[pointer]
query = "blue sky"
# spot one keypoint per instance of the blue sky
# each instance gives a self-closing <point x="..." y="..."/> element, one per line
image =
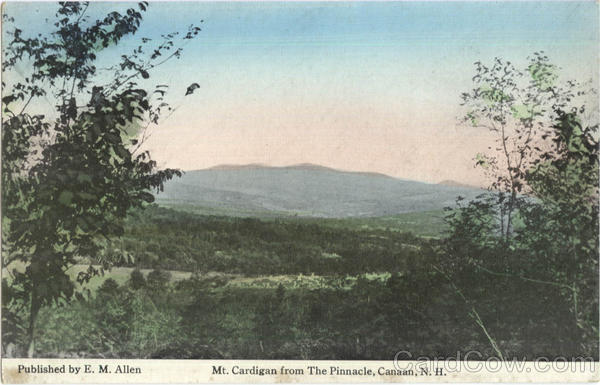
<point x="359" y="86"/>
<point x="357" y="23"/>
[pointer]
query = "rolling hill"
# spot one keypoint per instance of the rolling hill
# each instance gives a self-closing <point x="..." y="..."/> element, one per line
<point x="306" y="190"/>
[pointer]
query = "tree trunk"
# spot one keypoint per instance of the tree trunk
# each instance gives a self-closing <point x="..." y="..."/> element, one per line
<point x="502" y="213"/>
<point x="511" y="207"/>
<point x="33" y="313"/>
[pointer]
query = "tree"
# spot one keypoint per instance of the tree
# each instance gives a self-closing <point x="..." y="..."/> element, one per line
<point x="137" y="280"/>
<point x="548" y="141"/>
<point x="517" y="106"/>
<point x="561" y="228"/>
<point x="69" y="180"/>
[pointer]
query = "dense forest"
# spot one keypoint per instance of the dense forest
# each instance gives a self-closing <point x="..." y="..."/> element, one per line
<point x="313" y="292"/>
<point x="304" y="305"/>
<point x="168" y="239"/>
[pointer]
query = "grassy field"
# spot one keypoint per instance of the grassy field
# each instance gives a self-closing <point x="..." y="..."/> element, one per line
<point x="289" y="281"/>
<point x="119" y="274"/>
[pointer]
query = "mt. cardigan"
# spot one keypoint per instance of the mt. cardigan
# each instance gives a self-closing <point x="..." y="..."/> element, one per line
<point x="307" y="190"/>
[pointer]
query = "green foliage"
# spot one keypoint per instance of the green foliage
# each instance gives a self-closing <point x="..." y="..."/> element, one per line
<point x="518" y="107"/>
<point x="544" y="244"/>
<point x="429" y="224"/>
<point x="123" y="321"/>
<point x="68" y="181"/>
<point x="167" y="239"/>
<point x="563" y="228"/>
<point x="205" y="318"/>
<point x="109" y="288"/>
<point x="137" y="280"/>
<point x="157" y="280"/>
<point x="362" y="316"/>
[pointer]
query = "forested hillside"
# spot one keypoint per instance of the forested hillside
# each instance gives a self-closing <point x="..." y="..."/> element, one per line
<point x="164" y="238"/>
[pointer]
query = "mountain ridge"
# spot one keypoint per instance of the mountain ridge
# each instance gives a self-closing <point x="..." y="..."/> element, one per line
<point x="302" y="166"/>
<point x="307" y="190"/>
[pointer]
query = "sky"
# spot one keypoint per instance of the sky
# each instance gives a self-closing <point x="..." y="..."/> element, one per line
<point x="350" y="85"/>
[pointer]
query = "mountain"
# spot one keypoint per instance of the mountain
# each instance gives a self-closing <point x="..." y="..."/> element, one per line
<point x="306" y="190"/>
<point x="454" y="183"/>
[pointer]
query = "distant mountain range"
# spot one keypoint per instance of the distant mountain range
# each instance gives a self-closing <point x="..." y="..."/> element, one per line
<point x="308" y="190"/>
